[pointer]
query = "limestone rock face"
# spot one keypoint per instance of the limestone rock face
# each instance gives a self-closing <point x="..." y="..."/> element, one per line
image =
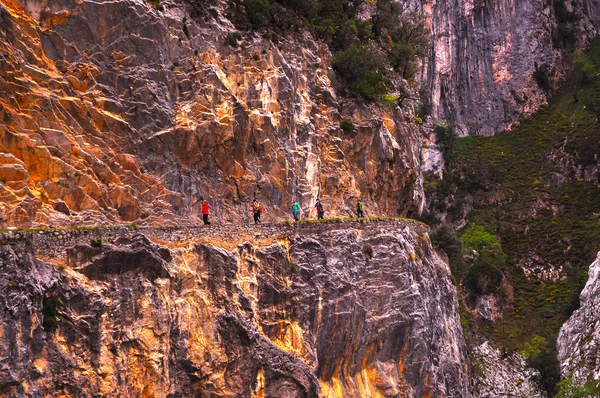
<point x="484" y="53"/>
<point x="482" y="59"/>
<point x="339" y="311"/>
<point x="124" y="112"/>
<point x="495" y="375"/>
<point x="579" y="338"/>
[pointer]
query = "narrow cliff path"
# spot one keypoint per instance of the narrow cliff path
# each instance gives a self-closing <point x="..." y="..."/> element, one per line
<point x="51" y="242"/>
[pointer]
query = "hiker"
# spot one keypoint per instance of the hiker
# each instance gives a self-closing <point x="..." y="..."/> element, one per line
<point x="205" y="211"/>
<point x="320" y="211"/>
<point x="296" y="210"/>
<point x="256" y="211"/>
<point x="360" y="209"/>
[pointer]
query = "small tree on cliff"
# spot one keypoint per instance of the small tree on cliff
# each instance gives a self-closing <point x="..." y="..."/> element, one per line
<point x="359" y="68"/>
<point x="583" y="70"/>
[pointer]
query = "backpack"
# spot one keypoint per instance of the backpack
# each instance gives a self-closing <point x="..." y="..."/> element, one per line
<point x="256" y="206"/>
<point x="319" y="207"/>
<point x="260" y="209"/>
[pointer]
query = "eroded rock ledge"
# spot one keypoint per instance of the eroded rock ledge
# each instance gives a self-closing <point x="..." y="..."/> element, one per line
<point x="344" y="309"/>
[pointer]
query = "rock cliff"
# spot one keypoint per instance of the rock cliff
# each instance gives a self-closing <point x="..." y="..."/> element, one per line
<point x="117" y="111"/>
<point x="484" y="54"/>
<point x="579" y="337"/>
<point x="498" y="375"/>
<point x="339" y="310"/>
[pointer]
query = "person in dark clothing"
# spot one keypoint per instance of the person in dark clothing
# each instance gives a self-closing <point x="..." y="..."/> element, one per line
<point x="256" y="211"/>
<point x="205" y="212"/>
<point x="360" y="209"/>
<point x="320" y="211"/>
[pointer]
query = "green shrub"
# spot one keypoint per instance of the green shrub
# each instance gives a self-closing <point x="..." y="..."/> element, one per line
<point x="486" y="244"/>
<point x="347" y="126"/>
<point x="390" y="100"/>
<point x="424" y="107"/>
<point x="533" y="349"/>
<point x="259" y="13"/>
<point x="483" y="278"/>
<point x="371" y="87"/>
<point x="546" y="363"/>
<point x="445" y="138"/>
<point x="50" y="312"/>
<point x="566" y="34"/>
<point x="344" y="35"/>
<point x="402" y="58"/>
<point x="386" y="16"/>
<point x="358" y="67"/>
<point x="156" y="4"/>
<point x="540" y="74"/>
<point x="233" y="38"/>
<point x="446" y="239"/>
<point x="401" y="37"/>
<point x="96" y="242"/>
<point x="568" y="389"/>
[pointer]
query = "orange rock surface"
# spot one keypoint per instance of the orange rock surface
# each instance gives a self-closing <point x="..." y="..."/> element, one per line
<point x="104" y="121"/>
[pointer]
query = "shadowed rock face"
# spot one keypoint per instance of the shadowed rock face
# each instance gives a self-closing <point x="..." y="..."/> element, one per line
<point x="579" y="337"/>
<point x="339" y="312"/>
<point x="483" y="55"/>
<point x="112" y="111"/>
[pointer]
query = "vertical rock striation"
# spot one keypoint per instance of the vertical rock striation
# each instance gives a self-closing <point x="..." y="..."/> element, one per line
<point x="579" y="339"/>
<point x="338" y="311"/>
<point x="483" y="55"/>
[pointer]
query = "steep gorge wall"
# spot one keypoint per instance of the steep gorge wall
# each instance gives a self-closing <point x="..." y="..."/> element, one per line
<point x="339" y="310"/>
<point x="114" y="111"/>
<point x="483" y="55"/>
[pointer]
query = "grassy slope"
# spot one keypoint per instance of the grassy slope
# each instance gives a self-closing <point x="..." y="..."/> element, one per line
<point x="513" y="182"/>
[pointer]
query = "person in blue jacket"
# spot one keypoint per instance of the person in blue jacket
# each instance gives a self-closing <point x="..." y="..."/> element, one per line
<point x="296" y="210"/>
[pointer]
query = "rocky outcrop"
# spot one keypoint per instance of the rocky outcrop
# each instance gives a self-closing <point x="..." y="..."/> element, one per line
<point x="484" y="54"/>
<point x="347" y="310"/>
<point x="579" y="339"/>
<point x="497" y="375"/>
<point x="103" y="121"/>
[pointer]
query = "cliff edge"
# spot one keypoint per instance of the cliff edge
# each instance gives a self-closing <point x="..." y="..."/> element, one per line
<point x="339" y="310"/>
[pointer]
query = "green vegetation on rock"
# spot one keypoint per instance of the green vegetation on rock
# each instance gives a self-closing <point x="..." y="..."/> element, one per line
<point x="365" y="50"/>
<point x="531" y="197"/>
<point x="568" y="389"/>
<point x="50" y="312"/>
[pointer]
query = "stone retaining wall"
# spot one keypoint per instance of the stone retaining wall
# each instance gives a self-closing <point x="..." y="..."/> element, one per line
<point x="52" y="243"/>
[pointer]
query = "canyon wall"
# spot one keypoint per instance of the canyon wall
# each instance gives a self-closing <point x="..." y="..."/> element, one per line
<point x="483" y="56"/>
<point x="117" y="111"/>
<point x="338" y="310"/>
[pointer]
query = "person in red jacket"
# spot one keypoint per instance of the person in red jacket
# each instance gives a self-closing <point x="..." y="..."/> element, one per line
<point x="205" y="211"/>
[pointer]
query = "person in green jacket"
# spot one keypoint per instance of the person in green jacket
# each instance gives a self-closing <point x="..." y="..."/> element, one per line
<point x="360" y="209"/>
<point x="296" y="210"/>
